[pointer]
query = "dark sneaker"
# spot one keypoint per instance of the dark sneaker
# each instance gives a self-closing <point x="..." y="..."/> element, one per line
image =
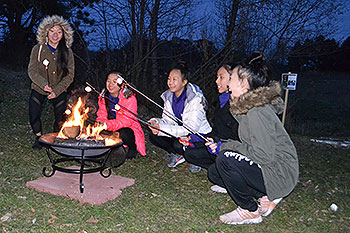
<point x="36" y="145"/>
<point x="175" y="160"/>
<point x="194" y="168"/>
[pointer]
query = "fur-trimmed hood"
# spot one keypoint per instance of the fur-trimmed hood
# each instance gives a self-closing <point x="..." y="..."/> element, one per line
<point x="263" y="95"/>
<point x="50" y="21"/>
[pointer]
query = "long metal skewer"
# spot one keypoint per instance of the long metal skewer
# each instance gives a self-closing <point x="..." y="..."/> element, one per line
<point x="121" y="80"/>
<point x="134" y="115"/>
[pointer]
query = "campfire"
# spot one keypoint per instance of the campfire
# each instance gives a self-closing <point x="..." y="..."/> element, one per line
<point x="82" y="143"/>
<point x="74" y="128"/>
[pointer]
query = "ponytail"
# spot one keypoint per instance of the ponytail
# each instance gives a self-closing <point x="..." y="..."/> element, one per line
<point x="255" y="70"/>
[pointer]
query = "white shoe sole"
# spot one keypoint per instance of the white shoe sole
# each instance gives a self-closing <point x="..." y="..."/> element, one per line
<point x="218" y="189"/>
<point x="248" y="221"/>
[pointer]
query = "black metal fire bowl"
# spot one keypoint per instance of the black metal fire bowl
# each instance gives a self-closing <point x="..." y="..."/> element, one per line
<point x="81" y="151"/>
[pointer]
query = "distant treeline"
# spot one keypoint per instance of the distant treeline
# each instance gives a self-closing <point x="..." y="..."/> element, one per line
<point x="320" y="54"/>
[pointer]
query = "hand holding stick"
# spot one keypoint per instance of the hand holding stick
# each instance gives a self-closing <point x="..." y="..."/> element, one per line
<point x="46" y="64"/>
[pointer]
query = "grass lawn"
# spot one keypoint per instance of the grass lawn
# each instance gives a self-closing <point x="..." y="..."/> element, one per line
<point x="162" y="199"/>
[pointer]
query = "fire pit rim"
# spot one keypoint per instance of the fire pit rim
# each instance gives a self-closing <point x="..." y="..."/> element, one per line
<point x="48" y="139"/>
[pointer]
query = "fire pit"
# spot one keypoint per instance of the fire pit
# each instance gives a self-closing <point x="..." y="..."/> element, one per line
<point x="81" y="143"/>
<point x="95" y="152"/>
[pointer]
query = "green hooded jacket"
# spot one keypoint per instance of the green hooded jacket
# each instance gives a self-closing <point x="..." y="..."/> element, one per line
<point x="264" y="139"/>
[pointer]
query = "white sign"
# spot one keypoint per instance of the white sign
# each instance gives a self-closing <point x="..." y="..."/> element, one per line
<point x="289" y="81"/>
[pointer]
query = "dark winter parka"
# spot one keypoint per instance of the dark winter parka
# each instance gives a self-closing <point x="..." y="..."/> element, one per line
<point x="37" y="70"/>
<point x="264" y="139"/>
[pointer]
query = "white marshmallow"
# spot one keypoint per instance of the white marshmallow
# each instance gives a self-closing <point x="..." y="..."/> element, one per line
<point x="88" y="89"/>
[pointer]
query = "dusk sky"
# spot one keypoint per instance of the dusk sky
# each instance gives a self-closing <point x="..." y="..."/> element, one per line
<point x="344" y="26"/>
<point x="208" y="8"/>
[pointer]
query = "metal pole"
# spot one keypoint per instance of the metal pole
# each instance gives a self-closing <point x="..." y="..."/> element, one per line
<point x="285" y="107"/>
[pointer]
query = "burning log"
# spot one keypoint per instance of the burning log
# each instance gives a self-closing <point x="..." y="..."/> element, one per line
<point x="71" y="132"/>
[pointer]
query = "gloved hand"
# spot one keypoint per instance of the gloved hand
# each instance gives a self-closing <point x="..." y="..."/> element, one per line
<point x="213" y="148"/>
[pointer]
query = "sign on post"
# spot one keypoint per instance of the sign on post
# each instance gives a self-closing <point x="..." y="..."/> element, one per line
<point x="289" y="82"/>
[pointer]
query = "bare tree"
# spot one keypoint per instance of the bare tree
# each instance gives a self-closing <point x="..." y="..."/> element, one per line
<point x="18" y="19"/>
<point x="274" y="25"/>
<point x="140" y="26"/>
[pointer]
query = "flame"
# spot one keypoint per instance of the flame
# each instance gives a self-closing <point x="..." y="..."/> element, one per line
<point x="110" y="141"/>
<point x="77" y="118"/>
<point x="94" y="131"/>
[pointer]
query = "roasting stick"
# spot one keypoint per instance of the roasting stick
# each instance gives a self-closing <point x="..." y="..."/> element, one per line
<point x="151" y="125"/>
<point x="90" y="88"/>
<point x="121" y="80"/>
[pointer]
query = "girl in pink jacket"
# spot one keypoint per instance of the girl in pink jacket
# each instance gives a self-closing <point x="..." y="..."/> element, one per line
<point x="122" y="120"/>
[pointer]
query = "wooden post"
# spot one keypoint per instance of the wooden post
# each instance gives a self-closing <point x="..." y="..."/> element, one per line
<point x="285" y="107"/>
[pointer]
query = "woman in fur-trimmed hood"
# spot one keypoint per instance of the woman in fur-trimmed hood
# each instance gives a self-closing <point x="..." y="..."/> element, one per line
<point x="51" y="70"/>
<point x="263" y="166"/>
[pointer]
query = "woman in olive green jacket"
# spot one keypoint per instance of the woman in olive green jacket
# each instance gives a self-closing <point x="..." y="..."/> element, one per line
<point x="51" y="70"/>
<point x="263" y="166"/>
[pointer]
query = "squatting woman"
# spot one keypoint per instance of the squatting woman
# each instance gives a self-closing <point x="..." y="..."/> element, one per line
<point x="262" y="168"/>
<point x="185" y="101"/>
<point x="119" y="119"/>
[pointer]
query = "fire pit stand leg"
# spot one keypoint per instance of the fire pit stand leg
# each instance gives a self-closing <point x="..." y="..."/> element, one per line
<point x="104" y="166"/>
<point x="81" y="185"/>
<point x="52" y="161"/>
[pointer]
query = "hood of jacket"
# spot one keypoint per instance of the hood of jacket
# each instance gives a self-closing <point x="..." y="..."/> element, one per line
<point x="50" y="21"/>
<point x="260" y="96"/>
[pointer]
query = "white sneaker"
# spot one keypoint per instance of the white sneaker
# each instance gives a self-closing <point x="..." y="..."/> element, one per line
<point x="218" y="189"/>
<point x="241" y="216"/>
<point x="266" y="206"/>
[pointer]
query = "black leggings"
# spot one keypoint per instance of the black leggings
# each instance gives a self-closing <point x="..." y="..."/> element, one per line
<point x="199" y="155"/>
<point x="241" y="177"/>
<point x="117" y="158"/>
<point x="170" y="145"/>
<point x="128" y="137"/>
<point x="36" y="102"/>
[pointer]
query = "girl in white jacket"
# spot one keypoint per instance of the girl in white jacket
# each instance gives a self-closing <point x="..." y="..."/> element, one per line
<point x="186" y="102"/>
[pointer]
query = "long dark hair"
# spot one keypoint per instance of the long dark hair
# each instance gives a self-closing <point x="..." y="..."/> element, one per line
<point x="127" y="93"/>
<point x="108" y="106"/>
<point x="255" y="70"/>
<point x="62" y="56"/>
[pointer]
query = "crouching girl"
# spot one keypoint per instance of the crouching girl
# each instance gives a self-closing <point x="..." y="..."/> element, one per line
<point x="261" y="168"/>
<point x="119" y="119"/>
